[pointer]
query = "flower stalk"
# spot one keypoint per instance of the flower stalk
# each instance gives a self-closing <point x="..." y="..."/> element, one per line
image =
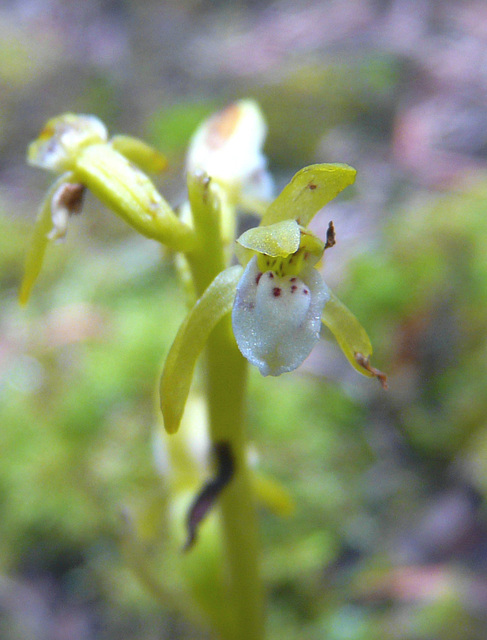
<point x="227" y="373"/>
<point x="226" y="377"/>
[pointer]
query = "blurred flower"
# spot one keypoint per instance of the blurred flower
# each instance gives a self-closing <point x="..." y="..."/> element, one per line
<point x="77" y="146"/>
<point x="62" y="139"/>
<point x="228" y="148"/>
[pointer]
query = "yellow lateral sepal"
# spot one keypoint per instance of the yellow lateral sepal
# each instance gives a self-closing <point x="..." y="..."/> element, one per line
<point x="176" y="378"/>
<point x="348" y="332"/>
<point x="273" y="495"/>
<point x="39" y="242"/>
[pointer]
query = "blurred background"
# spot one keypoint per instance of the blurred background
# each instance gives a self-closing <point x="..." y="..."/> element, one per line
<point x="389" y="536"/>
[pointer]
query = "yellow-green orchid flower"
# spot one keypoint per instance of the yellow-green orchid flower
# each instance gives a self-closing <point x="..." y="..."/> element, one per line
<point x="77" y="146"/>
<point x="278" y="301"/>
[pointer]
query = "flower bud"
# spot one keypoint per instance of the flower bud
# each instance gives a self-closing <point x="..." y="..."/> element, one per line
<point x="228" y="148"/>
<point x="61" y="140"/>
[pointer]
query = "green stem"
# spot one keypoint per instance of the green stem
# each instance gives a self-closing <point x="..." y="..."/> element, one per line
<point x="226" y="397"/>
<point x="226" y="392"/>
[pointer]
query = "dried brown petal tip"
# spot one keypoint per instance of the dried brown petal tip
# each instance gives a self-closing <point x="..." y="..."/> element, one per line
<point x="330" y="236"/>
<point x="365" y="363"/>
<point x="66" y="202"/>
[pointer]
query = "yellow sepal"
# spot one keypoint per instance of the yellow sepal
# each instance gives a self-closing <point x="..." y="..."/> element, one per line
<point x="126" y="190"/>
<point x="143" y="155"/>
<point x="176" y="378"/>
<point x="348" y="332"/>
<point x="271" y="494"/>
<point x="309" y="191"/>
<point x="39" y="242"/>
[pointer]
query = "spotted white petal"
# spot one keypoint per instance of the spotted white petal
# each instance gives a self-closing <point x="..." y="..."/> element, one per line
<point x="276" y="320"/>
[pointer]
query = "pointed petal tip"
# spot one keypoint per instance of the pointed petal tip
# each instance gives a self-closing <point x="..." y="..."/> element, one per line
<point x="364" y="362"/>
<point x="23" y="297"/>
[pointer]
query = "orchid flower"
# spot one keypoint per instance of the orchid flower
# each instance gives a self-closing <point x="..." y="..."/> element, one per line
<point x="77" y="147"/>
<point x="276" y="297"/>
<point x="278" y="301"/>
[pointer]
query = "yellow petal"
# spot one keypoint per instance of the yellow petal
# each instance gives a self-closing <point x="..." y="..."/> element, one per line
<point x="349" y="333"/>
<point x="280" y="239"/>
<point x="309" y="191"/>
<point x="140" y="153"/>
<point x="176" y="378"/>
<point x="40" y="239"/>
<point x="126" y="190"/>
<point x="243" y="255"/>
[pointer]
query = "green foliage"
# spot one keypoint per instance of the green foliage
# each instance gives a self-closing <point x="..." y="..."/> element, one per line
<point x="426" y="317"/>
<point x="76" y="412"/>
<point x="172" y="126"/>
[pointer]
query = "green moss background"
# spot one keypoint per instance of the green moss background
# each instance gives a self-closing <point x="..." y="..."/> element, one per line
<point x="388" y="539"/>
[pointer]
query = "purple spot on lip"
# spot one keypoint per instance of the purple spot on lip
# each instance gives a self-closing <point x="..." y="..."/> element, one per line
<point x="259" y="276"/>
<point x="293" y="288"/>
<point x="276" y="292"/>
<point x="271" y="275"/>
<point x="293" y="280"/>
<point x="305" y="291"/>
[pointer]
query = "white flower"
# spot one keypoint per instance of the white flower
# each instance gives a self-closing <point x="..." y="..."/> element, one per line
<point x="228" y="148"/>
<point x="277" y="318"/>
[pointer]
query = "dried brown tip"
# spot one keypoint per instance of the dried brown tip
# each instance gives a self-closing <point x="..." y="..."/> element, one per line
<point x="71" y="196"/>
<point x="330" y="236"/>
<point x="365" y="363"/>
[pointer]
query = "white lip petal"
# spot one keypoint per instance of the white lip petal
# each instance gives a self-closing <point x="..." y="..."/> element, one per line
<point x="276" y="320"/>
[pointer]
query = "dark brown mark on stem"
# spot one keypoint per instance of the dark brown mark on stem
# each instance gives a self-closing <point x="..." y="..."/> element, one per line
<point x="210" y="491"/>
